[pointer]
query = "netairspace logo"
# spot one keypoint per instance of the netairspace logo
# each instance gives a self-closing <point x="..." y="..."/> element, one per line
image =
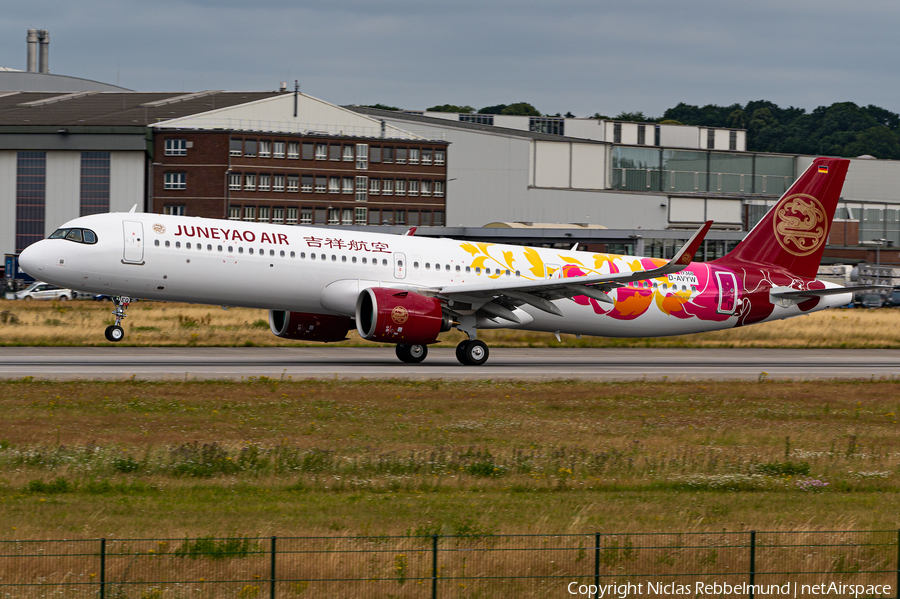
<point x="790" y="589"/>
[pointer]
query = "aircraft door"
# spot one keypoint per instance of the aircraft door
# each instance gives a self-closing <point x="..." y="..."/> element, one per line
<point x="399" y="265"/>
<point x="134" y="242"/>
<point x="727" y="292"/>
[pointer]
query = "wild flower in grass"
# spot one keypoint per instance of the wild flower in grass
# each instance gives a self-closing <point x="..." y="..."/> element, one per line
<point x="813" y="485"/>
<point x="870" y="475"/>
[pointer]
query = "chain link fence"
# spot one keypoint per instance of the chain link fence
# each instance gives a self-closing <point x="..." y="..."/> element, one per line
<point x="848" y="563"/>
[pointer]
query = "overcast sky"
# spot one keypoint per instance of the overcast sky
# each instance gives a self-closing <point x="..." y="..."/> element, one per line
<point x="581" y="56"/>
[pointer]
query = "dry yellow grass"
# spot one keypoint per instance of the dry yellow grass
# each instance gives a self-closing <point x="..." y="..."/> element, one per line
<point x="153" y="323"/>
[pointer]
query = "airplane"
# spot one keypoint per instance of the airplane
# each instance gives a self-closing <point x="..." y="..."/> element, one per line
<point x="319" y="283"/>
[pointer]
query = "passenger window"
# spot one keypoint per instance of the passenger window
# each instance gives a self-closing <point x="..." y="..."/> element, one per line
<point x="156" y="242"/>
<point x="301" y="255"/>
<point x="415" y="265"/>
<point x="384" y="262"/>
<point x="344" y="259"/>
<point x="353" y="259"/>
<point x="457" y="268"/>
<point x="364" y="259"/>
<point x="187" y="245"/>
<point x="282" y="253"/>
<point x="240" y="249"/>
<point x="177" y="244"/>
<point x="209" y="247"/>
<point x="220" y="248"/>
<point x="251" y="251"/>
<point x="477" y="270"/>
<point x="272" y="253"/>
<point x="230" y="249"/>
<point x="168" y="243"/>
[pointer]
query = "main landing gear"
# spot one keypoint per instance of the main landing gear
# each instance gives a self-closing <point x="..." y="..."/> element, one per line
<point x="412" y="354"/>
<point x="114" y="332"/>
<point x="472" y="352"/>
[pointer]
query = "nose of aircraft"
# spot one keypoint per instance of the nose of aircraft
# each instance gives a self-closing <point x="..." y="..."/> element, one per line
<point x="31" y="260"/>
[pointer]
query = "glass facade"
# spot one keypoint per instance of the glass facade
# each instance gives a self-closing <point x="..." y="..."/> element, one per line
<point x="94" y="183"/>
<point x="31" y="194"/>
<point x="645" y="169"/>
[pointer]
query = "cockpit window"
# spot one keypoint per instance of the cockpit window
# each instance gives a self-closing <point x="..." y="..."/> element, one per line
<point x="76" y="235"/>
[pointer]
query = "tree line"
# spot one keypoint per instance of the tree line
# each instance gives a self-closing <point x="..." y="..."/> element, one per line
<point x="842" y="129"/>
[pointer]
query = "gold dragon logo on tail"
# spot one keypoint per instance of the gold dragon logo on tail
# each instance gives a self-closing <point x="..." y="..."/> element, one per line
<point x="800" y="226"/>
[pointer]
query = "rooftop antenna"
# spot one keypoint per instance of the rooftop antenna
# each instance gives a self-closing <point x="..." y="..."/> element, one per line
<point x="296" y="95"/>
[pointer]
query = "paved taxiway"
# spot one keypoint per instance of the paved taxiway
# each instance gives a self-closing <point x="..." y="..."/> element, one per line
<point x="111" y="363"/>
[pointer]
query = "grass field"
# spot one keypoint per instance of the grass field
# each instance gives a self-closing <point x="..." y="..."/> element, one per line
<point x="77" y="323"/>
<point x="141" y="459"/>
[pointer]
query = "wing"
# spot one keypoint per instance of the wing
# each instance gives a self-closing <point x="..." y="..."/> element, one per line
<point x="499" y="298"/>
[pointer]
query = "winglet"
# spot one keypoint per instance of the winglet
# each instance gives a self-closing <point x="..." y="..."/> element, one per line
<point x="411" y="231"/>
<point x="133" y="209"/>
<point x="686" y="254"/>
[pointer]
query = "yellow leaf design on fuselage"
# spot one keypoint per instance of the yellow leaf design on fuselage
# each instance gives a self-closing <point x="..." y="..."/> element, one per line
<point x="469" y="248"/>
<point x="570" y="260"/>
<point x="537" y="265"/>
<point x="508" y="258"/>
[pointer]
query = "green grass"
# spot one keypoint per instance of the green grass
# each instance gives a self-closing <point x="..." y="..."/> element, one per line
<point x="265" y="457"/>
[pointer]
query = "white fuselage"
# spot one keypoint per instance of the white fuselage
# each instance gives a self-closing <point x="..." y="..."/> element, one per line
<point x="322" y="270"/>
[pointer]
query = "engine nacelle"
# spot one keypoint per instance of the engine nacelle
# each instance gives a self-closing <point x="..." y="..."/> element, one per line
<point x="309" y="327"/>
<point x="399" y="316"/>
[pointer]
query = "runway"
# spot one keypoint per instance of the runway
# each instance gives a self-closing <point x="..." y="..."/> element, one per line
<point x="608" y="364"/>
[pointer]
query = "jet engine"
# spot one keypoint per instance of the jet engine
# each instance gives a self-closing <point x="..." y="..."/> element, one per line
<point x="309" y="327"/>
<point x="399" y="316"/>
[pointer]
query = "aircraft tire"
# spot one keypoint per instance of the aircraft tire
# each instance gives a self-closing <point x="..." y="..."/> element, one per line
<point x="114" y="333"/>
<point x="412" y="354"/>
<point x="475" y="353"/>
<point x="461" y="353"/>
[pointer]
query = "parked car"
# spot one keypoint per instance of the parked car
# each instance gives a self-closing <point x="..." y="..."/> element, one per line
<point x="872" y="300"/>
<point x="894" y="298"/>
<point x="45" y="291"/>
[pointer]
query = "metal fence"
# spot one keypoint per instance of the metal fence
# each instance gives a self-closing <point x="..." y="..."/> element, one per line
<point x="848" y="563"/>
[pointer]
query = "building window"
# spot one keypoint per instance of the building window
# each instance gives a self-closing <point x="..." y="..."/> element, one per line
<point x="278" y="215"/>
<point x="617" y="133"/>
<point x="234" y="213"/>
<point x="374" y="187"/>
<point x="334" y="216"/>
<point x="439" y="157"/>
<point x="656" y="135"/>
<point x="414" y="155"/>
<point x="347" y="186"/>
<point x="176" y="147"/>
<point x="174" y="210"/>
<point x="348" y="154"/>
<point x="306" y="216"/>
<point x="265" y="149"/>
<point x="478" y="119"/>
<point x="292" y="216"/>
<point x="334" y="185"/>
<point x="249" y="213"/>
<point x="264" y="182"/>
<point x="293" y="183"/>
<point x="250" y="146"/>
<point x="387" y="187"/>
<point x="711" y="139"/>
<point x="551" y="125"/>
<point x="234" y="181"/>
<point x="400" y="187"/>
<point x="374" y="217"/>
<point x="94" y="183"/>
<point x="278" y="149"/>
<point x="426" y="188"/>
<point x="412" y="219"/>
<point x="31" y="177"/>
<point x="321" y="184"/>
<point x="438" y="189"/>
<point x="293" y="151"/>
<point x="362" y="157"/>
<point x="278" y="183"/>
<point x="387" y="155"/>
<point x="249" y="182"/>
<point x="438" y="219"/>
<point x="175" y="181"/>
<point x="236" y="147"/>
<point x="414" y="188"/>
<point x="361" y="216"/>
<point x="642" y="135"/>
<point x="263" y="214"/>
<point x="732" y="140"/>
<point x="347" y="217"/>
<point x="400" y="217"/>
<point x="426" y="157"/>
<point x="375" y="154"/>
<point x="400" y="155"/>
<point x="321" y="151"/>
<point x="306" y="183"/>
<point x="334" y="152"/>
<point x="361" y="185"/>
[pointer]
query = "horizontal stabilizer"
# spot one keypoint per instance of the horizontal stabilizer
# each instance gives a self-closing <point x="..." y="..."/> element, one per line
<point x="799" y="295"/>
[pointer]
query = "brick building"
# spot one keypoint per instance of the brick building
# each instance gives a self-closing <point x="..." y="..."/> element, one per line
<point x="304" y="178"/>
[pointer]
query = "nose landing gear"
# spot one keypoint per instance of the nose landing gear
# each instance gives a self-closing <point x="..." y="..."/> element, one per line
<point x="115" y="332"/>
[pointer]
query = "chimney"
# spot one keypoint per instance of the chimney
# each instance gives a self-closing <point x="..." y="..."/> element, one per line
<point x="32" y="50"/>
<point x="44" y="55"/>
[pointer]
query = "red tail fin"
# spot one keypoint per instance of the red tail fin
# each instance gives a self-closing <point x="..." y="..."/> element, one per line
<point x="792" y="235"/>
